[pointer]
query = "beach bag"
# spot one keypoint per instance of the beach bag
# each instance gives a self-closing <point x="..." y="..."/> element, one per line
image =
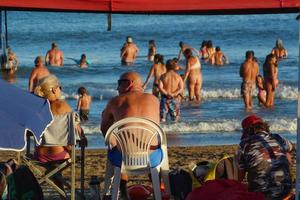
<point x="180" y="183"/>
<point x="223" y="189"/>
<point x="22" y="185"/>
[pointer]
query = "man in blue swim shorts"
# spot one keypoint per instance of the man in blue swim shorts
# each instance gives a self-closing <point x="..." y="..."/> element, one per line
<point x="170" y="87"/>
<point x="131" y="102"/>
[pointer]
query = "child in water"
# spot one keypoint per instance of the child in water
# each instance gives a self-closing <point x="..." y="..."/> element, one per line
<point x="261" y="91"/>
<point x="83" y="104"/>
<point x="83" y="63"/>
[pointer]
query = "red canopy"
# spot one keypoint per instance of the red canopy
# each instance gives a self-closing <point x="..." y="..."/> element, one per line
<point x="157" y="6"/>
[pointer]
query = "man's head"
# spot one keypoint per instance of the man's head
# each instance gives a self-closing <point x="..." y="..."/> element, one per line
<point x="188" y="53"/>
<point x="129" y="81"/>
<point x="53" y="45"/>
<point x="158" y="58"/>
<point x="218" y="49"/>
<point x="253" y="124"/>
<point x="249" y="54"/>
<point x="129" y="39"/>
<point x="171" y="65"/>
<point x="39" y="60"/>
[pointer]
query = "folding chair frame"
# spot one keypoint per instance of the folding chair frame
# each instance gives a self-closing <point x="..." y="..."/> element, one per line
<point x="62" y="166"/>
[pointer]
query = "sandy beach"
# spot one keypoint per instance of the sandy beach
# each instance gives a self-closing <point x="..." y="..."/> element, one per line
<point x="95" y="160"/>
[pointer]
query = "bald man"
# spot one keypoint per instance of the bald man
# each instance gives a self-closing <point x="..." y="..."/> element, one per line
<point x="39" y="72"/>
<point x="131" y="102"/>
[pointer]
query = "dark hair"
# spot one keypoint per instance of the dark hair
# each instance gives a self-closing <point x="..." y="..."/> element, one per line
<point x="218" y="48"/>
<point x="188" y="53"/>
<point x="180" y="43"/>
<point x="170" y="65"/>
<point x="158" y="58"/>
<point x="175" y="59"/>
<point x="83" y="56"/>
<point x="249" y="54"/>
<point x="204" y="43"/>
<point x="209" y="44"/>
<point x="82" y="91"/>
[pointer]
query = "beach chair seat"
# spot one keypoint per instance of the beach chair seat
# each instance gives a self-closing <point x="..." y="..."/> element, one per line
<point x="130" y="143"/>
<point x="45" y="170"/>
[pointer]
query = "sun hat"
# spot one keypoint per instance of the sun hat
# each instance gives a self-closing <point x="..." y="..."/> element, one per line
<point x="251" y="120"/>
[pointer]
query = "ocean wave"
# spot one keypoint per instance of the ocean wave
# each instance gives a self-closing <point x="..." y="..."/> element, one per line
<point x="283" y="92"/>
<point x="215" y="126"/>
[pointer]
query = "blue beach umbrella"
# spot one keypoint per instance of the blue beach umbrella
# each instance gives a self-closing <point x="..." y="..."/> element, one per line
<point x="21" y="111"/>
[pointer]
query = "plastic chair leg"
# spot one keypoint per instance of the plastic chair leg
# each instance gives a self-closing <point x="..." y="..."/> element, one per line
<point x="156" y="182"/>
<point x="116" y="183"/>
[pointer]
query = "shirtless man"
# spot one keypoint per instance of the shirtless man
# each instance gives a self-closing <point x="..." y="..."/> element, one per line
<point x="219" y="58"/>
<point x="128" y="52"/>
<point x="183" y="47"/>
<point x="12" y="60"/>
<point x="54" y="57"/>
<point x="39" y="72"/>
<point x="157" y="69"/>
<point x="131" y="102"/>
<point x="193" y="75"/>
<point x="248" y="71"/>
<point x="170" y="87"/>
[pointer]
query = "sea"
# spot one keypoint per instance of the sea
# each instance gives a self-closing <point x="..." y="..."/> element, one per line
<point x="217" y="120"/>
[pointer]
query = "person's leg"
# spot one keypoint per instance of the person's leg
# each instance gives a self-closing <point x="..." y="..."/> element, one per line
<point x="163" y="109"/>
<point x="108" y="180"/>
<point x="198" y="87"/>
<point x="191" y="88"/>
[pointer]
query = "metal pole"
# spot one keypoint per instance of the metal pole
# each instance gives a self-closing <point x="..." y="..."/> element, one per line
<point x="109" y="22"/>
<point x="298" y="123"/>
<point x="6" y="32"/>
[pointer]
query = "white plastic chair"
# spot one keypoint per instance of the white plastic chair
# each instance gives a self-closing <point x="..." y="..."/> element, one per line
<point x="134" y="137"/>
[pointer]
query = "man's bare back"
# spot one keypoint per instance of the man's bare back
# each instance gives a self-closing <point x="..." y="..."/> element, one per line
<point x="39" y="72"/>
<point x="249" y="71"/>
<point x="131" y="102"/>
<point x="54" y="57"/>
<point x="129" y="53"/>
<point x="171" y="84"/>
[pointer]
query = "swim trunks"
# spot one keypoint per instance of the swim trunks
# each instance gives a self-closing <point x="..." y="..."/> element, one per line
<point x="155" y="90"/>
<point x="126" y="63"/>
<point x="84" y="115"/>
<point x="169" y="106"/>
<point x="247" y="88"/>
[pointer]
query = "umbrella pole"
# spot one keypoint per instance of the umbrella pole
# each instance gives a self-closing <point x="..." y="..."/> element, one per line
<point x="6" y="32"/>
<point x="298" y="124"/>
<point x="2" y="40"/>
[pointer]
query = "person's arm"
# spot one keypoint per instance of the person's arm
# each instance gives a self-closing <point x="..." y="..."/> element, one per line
<point x="285" y="53"/>
<point x="107" y="119"/>
<point x="151" y="72"/>
<point x="179" y="54"/>
<point x="197" y="53"/>
<point x="62" y="59"/>
<point x="78" y="104"/>
<point x="47" y="59"/>
<point x="179" y="89"/>
<point x="187" y="71"/>
<point x="161" y="88"/>
<point x="225" y="59"/>
<point x="241" y="71"/>
<point x="31" y="79"/>
<point x="16" y="63"/>
<point x="272" y="74"/>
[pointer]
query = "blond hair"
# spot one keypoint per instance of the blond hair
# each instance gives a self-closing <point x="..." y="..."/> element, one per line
<point x="44" y="85"/>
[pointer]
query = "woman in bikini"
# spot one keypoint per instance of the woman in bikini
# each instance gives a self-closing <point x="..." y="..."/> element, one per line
<point x="193" y="75"/>
<point x="157" y="69"/>
<point x="270" y="75"/>
<point x="151" y="50"/>
<point x="279" y="51"/>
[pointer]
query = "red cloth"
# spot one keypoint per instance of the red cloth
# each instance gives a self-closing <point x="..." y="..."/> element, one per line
<point x="250" y="120"/>
<point x="223" y="190"/>
<point x="158" y="6"/>
<point x="139" y="192"/>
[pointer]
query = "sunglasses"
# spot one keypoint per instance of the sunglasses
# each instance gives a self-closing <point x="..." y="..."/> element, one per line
<point x="120" y="81"/>
<point x="51" y="89"/>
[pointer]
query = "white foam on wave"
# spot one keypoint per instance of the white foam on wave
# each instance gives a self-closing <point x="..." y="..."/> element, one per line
<point x="215" y="126"/>
<point x="283" y="92"/>
<point x="277" y="125"/>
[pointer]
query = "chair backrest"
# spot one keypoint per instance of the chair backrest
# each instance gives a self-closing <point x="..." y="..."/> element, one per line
<point x="62" y="131"/>
<point x="134" y="136"/>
